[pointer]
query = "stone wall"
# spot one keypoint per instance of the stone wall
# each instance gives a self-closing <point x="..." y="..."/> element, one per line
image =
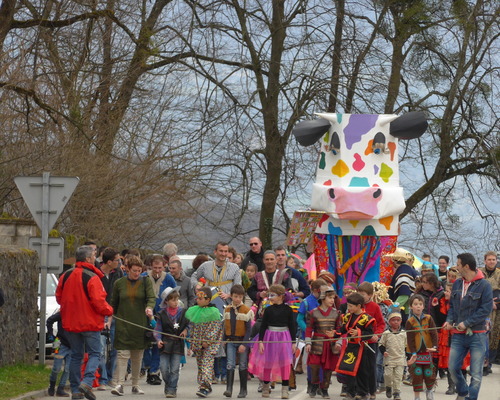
<point x="16" y="232"/>
<point x="18" y="316"/>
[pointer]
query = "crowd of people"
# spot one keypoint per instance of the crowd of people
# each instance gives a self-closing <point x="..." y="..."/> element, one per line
<point x="123" y="316"/>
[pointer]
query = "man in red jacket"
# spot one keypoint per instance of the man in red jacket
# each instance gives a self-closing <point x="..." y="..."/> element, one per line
<point x="83" y="307"/>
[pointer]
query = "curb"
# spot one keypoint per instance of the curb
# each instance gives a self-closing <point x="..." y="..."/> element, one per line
<point x="31" y="395"/>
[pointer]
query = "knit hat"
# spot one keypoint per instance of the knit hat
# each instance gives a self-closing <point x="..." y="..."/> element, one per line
<point x="394" y="314"/>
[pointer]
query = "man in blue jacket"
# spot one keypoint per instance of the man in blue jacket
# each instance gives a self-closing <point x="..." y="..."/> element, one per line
<point x="471" y="303"/>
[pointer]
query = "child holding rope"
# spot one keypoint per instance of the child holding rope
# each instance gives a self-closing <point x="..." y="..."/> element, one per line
<point x="170" y="328"/>
<point x="273" y="361"/>
<point x="323" y="322"/>
<point x="393" y="345"/>
<point x="237" y="327"/>
<point x="206" y="334"/>
<point x="422" y="343"/>
<point x="357" y="326"/>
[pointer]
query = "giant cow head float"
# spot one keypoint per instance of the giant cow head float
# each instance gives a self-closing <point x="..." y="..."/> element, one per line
<point x="357" y="179"/>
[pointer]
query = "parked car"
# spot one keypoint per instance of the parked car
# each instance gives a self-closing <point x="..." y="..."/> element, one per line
<point x="51" y="304"/>
<point x="187" y="261"/>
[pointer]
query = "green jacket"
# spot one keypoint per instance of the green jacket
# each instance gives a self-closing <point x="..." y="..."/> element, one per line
<point x="129" y="302"/>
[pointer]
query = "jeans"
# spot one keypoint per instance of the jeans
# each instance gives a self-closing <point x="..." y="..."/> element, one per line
<point x="169" y="367"/>
<point x="380" y="369"/>
<point x="62" y="356"/>
<point x="460" y="345"/>
<point x="103" y="380"/>
<point x="231" y="351"/>
<point x="151" y="359"/>
<point x="220" y="367"/>
<point x="111" y="363"/>
<point x="83" y="342"/>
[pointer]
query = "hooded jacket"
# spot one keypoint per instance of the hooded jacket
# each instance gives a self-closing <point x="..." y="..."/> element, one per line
<point x="473" y="307"/>
<point x="82" y="298"/>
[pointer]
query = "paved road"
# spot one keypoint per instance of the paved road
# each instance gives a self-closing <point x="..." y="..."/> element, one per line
<point x="490" y="389"/>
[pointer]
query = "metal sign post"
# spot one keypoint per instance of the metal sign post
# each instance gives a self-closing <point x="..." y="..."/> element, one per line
<point x="44" y="258"/>
<point x="40" y="194"/>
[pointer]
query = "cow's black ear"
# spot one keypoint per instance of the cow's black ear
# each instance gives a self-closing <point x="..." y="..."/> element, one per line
<point x="409" y="126"/>
<point x="309" y="132"/>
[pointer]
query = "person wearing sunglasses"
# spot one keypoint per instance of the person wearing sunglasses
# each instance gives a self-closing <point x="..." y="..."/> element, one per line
<point x="255" y="255"/>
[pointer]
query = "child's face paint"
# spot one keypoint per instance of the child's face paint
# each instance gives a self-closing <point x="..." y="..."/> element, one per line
<point x="275" y="298"/>
<point x="201" y="299"/>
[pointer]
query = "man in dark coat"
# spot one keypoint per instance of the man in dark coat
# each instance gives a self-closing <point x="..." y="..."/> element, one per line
<point x="255" y="255"/>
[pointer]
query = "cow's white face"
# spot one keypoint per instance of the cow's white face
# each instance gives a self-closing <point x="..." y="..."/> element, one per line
<point x="357" y="182"/>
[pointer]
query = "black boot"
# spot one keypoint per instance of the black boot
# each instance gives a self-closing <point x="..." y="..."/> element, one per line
<point x="229" y="383"/>
<point x="51" y="391"/>
<point x="60" y="392"/>
<point x="451" y="385"/>
<point x="243" y="383"/>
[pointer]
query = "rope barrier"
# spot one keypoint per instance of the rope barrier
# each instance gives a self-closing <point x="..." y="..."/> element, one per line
<point x="264" y="341"/>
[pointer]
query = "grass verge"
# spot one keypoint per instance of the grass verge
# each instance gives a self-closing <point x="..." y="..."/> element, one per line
<point x="16" y="380"/>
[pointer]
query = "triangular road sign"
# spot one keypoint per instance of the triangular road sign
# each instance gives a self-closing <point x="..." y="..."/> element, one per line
<point x="60" y="190"/>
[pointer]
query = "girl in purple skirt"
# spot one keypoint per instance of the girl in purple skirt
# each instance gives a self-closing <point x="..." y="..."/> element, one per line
<point x="273" y="361"/>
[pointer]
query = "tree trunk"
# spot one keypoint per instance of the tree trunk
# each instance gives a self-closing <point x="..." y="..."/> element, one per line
<point x="7" y="10"/>
<point x="336" y="58"/>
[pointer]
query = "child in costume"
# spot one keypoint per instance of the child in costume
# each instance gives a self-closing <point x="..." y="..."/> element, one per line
<point x="171" y="321"/>
<point x="358" y="327"/>
<point x="309" y="304"/>
<point x="237" y="327"/>
<point x="205" y="334"/>
<point x="365" y="289"/>
<point x="422" y="343"/>
<point x="273" y="361"/>
<point x="393" y="347"/>
<point x="323" y="322"/>
<point x="381" y="297"/>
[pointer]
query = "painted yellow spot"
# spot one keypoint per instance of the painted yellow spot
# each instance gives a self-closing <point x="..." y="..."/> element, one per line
<point x="385" y="172"/>
<point x="340" y="169"/>
<point x="354" y="223"/>
<point x="387" y="221"/>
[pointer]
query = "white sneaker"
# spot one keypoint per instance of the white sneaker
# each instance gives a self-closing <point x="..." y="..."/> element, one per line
<point x="117" y="390"/>
<point x="137" y="390"/>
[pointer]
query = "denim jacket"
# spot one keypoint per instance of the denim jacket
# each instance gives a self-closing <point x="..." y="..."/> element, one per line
<point x="475" y="307"/>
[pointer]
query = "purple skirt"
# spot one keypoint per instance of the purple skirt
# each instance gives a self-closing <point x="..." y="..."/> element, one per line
<point x="275" y="363"/>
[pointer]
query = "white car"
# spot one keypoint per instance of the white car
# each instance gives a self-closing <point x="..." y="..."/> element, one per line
<point x="187" y="261"/>
<point x="51" y="304"/>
